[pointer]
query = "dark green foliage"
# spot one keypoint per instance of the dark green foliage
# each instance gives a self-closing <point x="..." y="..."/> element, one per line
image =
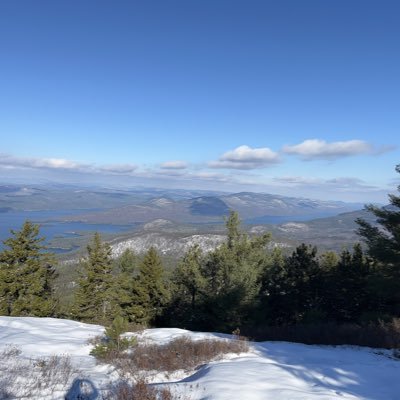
<point x="293" y="287"/>
<point x="113" y="342"/>
<point x="383" y="246"/>
<point x="127" y="262"/>
<point x="188" y="278"/>
<point x="383" y="241"/>
<point x="150" y="292"/>
<point x="220" y="290"/>
<point x="347" y="295"/>
<point x="188" y="285"/>
<point x="125" y="284"/>
<point x="26" y="275"/>
<point x="93" y="298"/>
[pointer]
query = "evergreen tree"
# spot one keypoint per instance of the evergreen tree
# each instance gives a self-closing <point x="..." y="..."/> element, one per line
<point x="347" y="296"/>
<point x="294" y="287"/>
<point x="93" y="298"/>
<point x="329" y="261"/>
<point x="124" y="287"/>
<point x="150" y="293"/>
<point x="383" y="246"/>
<point x="127" y="262"/>
<point x="188" y="278"/>
<point x="233" y="229"/>
<point x="383" y="241"/>
<point x="188" y="284"/>
<point x="233" y="274"/>
<point x="26" y="274"/>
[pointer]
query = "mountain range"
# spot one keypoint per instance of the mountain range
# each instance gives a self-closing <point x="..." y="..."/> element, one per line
<point x="252" y="208"/>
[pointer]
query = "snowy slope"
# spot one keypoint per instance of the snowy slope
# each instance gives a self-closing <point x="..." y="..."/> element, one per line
<point x="271" y="370"/>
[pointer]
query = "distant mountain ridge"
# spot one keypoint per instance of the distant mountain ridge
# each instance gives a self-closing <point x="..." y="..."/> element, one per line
<point x="252" y="207"/>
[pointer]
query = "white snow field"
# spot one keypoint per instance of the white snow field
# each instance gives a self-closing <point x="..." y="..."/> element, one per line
<point x="270" y="370"/>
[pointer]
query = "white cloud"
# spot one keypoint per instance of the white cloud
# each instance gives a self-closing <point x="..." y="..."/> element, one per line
<point x="119" y="168"/>
<point x="320" y="149"/>
<point x="9" y="161"/>
<point x="174" y="165"/>
<point x="245" y="157"/>
<point x="12" y="162"/>
<point x="296" y="180"/>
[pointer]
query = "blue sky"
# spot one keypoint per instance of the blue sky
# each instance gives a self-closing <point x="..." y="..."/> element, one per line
<point x="298" y="98"/>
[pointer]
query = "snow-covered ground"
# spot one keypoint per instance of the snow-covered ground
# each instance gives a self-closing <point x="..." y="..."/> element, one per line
<point x="270" y="370"/>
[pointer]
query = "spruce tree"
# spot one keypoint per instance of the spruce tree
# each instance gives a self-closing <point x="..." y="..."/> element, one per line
<point x="294" y="287"/>
<point x="188" y="284"/>
<point x="26" y="274"/>
<point x="93" y="298"/>
<point x="383" y="239"/>
<point x="150" y="293"/>
<point x="346" y="294"/>
<point x="188" y="277"/>
<point x="383" y="246"/>
<point x="125" y="286"/>
<point x="233" y="273"/>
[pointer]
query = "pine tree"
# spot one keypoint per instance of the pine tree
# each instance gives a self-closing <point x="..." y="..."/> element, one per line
<point x="187" y="286"/>
<point x="383" y="246"/>
<point x="233" y="273"/>
<point x="383" y="241"/>
<point x="150" y="293"/>
<point x="347" y="293"/>
<point x="294" y="287"/>
<point x="26" y="274"/>
<point x="93" y="298"/>
<point x="188" y="278"/>
<point x="125" y="286"/>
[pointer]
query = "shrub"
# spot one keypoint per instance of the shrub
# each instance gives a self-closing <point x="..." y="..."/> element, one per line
<point x="41" y="376"/>
<point x="179" y="354"/>
<point x="108" y="347"/>
<point x="139" y="391"/>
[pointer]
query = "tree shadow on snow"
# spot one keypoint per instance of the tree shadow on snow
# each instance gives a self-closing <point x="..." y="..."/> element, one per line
<point x="82" y="389"/>
<point x="340" y="370"/>
<point x="344" y="370"/>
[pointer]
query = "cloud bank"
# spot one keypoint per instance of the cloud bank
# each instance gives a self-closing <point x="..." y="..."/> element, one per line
<point x="313" y="149"/>
<point x="11" y="162"/>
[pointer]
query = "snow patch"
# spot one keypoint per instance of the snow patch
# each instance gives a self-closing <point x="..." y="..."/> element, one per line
<point x="271" y="370"/>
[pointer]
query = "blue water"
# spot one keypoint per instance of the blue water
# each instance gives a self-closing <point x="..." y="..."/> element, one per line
<point x="51" y="224"/>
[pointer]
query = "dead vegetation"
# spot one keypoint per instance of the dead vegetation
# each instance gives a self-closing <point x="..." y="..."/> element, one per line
<point x="137" y="364"/>
<point x="140" y="390"/>
<point x="26" y="378"/>
<point x="179" y="354"/>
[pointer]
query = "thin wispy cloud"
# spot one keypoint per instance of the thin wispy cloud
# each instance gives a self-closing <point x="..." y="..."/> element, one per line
<point x="11" y="162"/>
<point x="313" y="149"/>
<point x="119" y="168"/>
<point x="245" y="157"/>
<point x="174" y="165"/>
<point x="339" y="183"/>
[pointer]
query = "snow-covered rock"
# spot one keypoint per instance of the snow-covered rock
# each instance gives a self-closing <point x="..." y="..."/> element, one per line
<point x="167" y="244"/>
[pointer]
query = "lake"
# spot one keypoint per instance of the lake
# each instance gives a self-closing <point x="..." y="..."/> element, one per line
<point x="51" y="224"/>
